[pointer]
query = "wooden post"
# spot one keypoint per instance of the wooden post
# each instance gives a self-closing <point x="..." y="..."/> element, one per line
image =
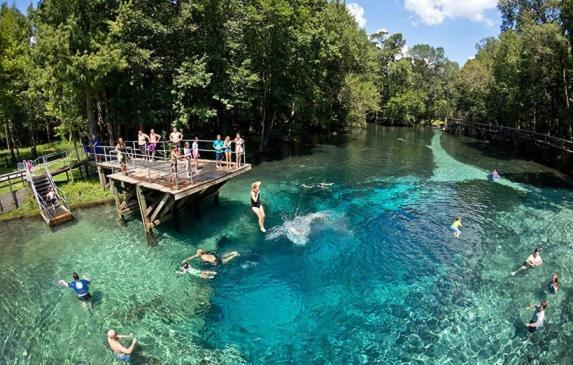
<point x="117" y="203"/>
<point x="101" y="177"/>
<point x="147" y="225"/>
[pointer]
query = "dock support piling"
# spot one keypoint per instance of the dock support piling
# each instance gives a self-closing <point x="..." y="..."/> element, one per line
<point x="147" y="225"/>
<point x="118" y="204"/>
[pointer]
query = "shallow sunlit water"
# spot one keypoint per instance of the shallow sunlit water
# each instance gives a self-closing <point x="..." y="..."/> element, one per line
<point x="363" y="271"/>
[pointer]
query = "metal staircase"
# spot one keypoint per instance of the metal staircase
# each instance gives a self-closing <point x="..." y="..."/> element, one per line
<point x="53" y="214"/>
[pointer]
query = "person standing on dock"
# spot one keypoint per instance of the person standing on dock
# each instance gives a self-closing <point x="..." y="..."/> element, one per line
<point x="175" y="156"/>
<point x="80" y="287"/>
<point x="195" y="152"/>
<point x="95" y="146"/>
<point x="227" y="148"/>
<point x="142" y="140"/>
<point x="187" y="155"/>
<point x="533" y="260"/>
<point x="256" y="204"/>
<point x="121" y="353"/>
<point x="239" y="150"/>
<point x="121" y="152"/>
<point x="218" y="146"/>
<point x="153" y="139"/>
<point x="175" y="136"/>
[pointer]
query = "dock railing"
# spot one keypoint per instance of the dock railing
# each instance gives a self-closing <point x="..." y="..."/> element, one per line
<point x="159" y="167"/>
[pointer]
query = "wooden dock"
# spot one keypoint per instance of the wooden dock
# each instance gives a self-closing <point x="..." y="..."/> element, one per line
<point x="153" y="189"/>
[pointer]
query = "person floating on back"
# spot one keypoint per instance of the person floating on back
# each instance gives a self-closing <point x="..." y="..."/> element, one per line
<point x="532" y="261"/>
<point x="121" y="353"/>
<point x="455" y="227"/>
<point x="535" y="325"/>
<point x="212" y="258"/>
<point x="81" y="288"/>
<point x="256" y="204"/>
<point x="203" y="274"/>
<point x="553" y="285"/>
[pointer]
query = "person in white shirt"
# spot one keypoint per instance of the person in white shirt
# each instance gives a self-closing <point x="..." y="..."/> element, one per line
<point x="536" y="322"/>
<point x="533" y="260"/>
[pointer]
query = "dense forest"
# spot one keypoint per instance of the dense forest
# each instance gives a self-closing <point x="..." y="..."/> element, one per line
<point x="274" y="70"/>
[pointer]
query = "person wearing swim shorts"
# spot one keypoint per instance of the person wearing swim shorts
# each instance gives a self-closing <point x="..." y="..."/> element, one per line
<point x="211" y="258"/>
<point x="142" y="140"/>
<point x="455" y="227"/>
<point x="533" y="260"/>
<point x="121" y="353"/>
<point x="175" y="156"/>
<point x="153" y="140"/>
<point x="203" y="274"/>
<point x="121" y="152"/>
<point x="535" y="325"/>
<point x="81" y="287"/>
<point x="218" y="146"/>
<point x="256" y="204"/>
<point x="175" y="137"/>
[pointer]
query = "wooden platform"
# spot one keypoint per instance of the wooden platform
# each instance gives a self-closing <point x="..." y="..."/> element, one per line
<point x="158" y="177"/>
<point x="149" y="188"/>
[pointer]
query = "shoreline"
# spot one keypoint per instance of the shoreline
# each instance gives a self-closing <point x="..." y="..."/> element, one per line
<point x="36" y="213"/>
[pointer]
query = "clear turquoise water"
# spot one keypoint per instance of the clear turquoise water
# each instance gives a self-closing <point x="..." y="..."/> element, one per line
<point x="378" y="279"/>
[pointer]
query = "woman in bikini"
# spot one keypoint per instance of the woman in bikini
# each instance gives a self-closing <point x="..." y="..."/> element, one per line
<point x="256" y="204"/>
<point x="239" y="150"/>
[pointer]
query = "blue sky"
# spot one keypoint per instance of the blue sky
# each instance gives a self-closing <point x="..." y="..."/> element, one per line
<point x="455" y="25"/>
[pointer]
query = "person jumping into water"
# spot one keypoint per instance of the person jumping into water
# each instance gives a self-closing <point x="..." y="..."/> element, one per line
<point x="256" y="204"/>
<point x="121" y="353"/>
<point x="535" y="325"/>
<point x="81" y="288"/>
<point x="533" y="260"/>
<point x="212" y="258"/>
<point x="455" y="227"/>
<point x="203" y="274"/>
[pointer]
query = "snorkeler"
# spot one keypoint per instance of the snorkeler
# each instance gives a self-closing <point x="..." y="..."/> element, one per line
<point x="256" y="204"/>
<point x="532" y="261"/>
<point x="553" y="285"/>
<point x="455" y="227"/>
<point x="80" y="287"/>
<point x="536" y="323"/>
<point x="211" y="258"/>
<point x="121" y="353"/>
<point x="203" y="274"/>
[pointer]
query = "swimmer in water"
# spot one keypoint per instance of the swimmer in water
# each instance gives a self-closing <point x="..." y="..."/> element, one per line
<point x="81" y="288"/>
<point x="256" y="204"/>
<point x="325" y="185"/>
<point x="533" y="260"/>
<point x="307" y="186"/>
<point x="212" y="258"/>
<point x="121" y="353"/>
<point x="455" y="227"/>
<point x="203" y="274"/>
<point x="553" y="285"/>
<point x="536" y="323"/>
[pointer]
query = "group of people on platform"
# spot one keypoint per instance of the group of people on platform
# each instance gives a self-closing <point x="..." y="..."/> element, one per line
<point x="535" y="325"/>
<point x="209" y="258"/>
<point x="188" y="153"/>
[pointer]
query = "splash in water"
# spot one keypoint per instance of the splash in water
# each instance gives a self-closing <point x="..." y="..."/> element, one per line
<point x="298" y="229"/>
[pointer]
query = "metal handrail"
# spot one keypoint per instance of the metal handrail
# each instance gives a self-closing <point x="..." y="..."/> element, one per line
<point x="59" y="192"/>
<point x="39" y="199"/>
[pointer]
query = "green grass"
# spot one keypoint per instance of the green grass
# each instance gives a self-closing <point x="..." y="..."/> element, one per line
<point x="25" y="153"/>
<point x="79" y="193"/>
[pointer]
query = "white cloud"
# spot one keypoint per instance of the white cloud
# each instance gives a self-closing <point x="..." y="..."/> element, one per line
<point x="357" y="12"/>
<point x="432" y="12"/>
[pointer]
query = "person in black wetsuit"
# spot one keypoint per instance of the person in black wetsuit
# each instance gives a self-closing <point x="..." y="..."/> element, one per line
<point x="212" y="258"/>
<point x="256" y="204"/>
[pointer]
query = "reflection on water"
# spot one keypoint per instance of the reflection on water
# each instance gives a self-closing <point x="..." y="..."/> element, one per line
<point x="373" y="276"/>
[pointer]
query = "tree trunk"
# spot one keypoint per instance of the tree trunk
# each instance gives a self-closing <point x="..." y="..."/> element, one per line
<point x="567" y="104"/>
<point x="8" y="132"/>
<point x="90" y="112"/>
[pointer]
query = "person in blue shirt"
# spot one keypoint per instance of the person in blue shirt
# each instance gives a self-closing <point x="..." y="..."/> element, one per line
<point x="81" y="287"/>
<point x="218" y="146"/>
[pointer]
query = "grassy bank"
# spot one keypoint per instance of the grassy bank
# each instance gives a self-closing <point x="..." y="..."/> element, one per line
<point x="80" y="193"/>
<point x="26" y="153"/>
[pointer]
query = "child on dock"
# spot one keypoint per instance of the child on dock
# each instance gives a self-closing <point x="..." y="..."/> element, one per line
<point x="187" y="157"/>
<point x="195" y="152"/>
<point x="218" y="146"/>
<point x="228" y="152"/>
